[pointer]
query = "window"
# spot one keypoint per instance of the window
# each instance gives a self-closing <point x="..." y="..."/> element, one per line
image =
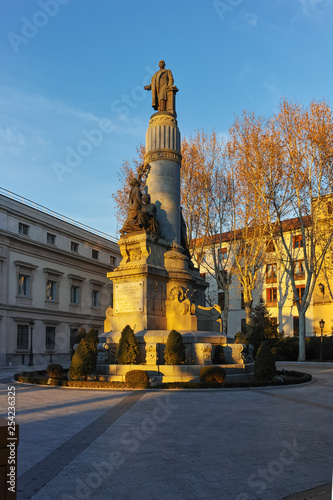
<point x="51" y="290"/>
<point x="271" y="296"/>
<point x="51" y="238"/>
<point x="112" y="260"/>
<point x="300" y="289"/>
<point x="94" y="253"/>
<point x="23" y="285"/>
<point x="50" y="337"/>
<point x="271" y="273"/>
<point x="95" y="298"/>
<point x="75" y="294"/>
<point x="296" y="326"/>
<point x="74" y="247"/>
<point x="22" y="336"/>
<point x="299" y="270"/>
<point x="72" y="337"/>
<point x="221" y="300"/>
<point x="23" y="229"/>
<point x="270" y="247"/>
<point x="223" y="254"/>
<point x="297" y="241"/>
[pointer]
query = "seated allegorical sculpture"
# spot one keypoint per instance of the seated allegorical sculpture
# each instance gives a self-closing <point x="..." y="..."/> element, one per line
<point x="146" y="218"/>
<point x="141" y="212"/>
<point x="134" y="206"/>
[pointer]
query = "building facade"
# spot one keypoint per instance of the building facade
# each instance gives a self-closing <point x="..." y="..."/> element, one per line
<point x="52" y="281"/>
<point x="274" y="286"/>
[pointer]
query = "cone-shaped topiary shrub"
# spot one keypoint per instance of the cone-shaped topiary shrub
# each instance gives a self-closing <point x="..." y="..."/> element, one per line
<point x="137" y="379"/>
<point x="212" y="374"/>
<point x="264" y="366"/>
<point x="54" y="370"/>
<point x="218" y="357"/>
<point x="262" y="327"/>
<point x="127" y="351"/>
<point x="84" y="358"/>
<point x="174" y="353"/>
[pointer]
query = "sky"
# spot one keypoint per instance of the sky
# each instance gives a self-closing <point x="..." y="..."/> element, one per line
<point x="72" y="104"/>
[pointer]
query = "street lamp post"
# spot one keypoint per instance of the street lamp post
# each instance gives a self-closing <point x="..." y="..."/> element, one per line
<point x="31" y="356"/>
<point x="321" y="326"/>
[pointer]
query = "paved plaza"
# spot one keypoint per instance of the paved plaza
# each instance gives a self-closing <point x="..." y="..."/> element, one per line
<point x="268" y="444"/>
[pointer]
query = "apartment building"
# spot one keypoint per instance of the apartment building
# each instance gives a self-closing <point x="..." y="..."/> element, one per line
<point x="274" y="286"/>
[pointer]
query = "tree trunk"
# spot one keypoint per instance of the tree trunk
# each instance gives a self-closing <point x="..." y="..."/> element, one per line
<point x="225" y="312"/>
<point x="301" y="339"/>
<point x="247" y="312"/>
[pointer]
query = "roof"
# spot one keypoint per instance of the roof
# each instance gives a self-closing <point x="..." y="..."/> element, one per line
<point x="287" y="225"/>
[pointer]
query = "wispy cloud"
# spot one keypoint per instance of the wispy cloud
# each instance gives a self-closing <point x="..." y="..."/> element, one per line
<point x="308" y="5"/>
<point x="250" y="18"/>
<point x="11" y="140"/>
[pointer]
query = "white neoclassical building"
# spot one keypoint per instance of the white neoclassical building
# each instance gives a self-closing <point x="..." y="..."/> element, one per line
<point x="52" y="281"/>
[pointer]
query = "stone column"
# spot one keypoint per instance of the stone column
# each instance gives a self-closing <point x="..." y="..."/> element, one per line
<point x="163" y="156"/>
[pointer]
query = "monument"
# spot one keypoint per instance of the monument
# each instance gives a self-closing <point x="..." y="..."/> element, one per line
<point x="156" y="286"/>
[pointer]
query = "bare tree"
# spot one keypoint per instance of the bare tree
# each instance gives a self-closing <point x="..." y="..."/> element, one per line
<point x="205" y="193"/>
<point x="288" y="159"/>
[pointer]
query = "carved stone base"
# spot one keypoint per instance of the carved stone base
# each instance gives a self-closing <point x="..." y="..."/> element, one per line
<point x="154" y="286"/>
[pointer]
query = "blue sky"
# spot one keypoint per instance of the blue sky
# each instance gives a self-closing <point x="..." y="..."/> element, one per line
<point x="73" y="71"/>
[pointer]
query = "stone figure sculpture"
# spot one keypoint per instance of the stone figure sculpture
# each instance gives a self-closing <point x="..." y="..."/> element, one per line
<point x="161" y="82"/>
<point x="134" y="207"/>
<point x="147" y="216"/>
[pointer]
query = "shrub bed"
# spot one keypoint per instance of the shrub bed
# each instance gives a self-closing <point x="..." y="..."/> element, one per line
<point x="283" y="377"/>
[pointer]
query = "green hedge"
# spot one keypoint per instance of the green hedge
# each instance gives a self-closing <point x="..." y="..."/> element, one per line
<point x="54" y="370"/>
<point x="212" y="374"/>
<point x="137" y="378"/>
<point x="286" y="349"/>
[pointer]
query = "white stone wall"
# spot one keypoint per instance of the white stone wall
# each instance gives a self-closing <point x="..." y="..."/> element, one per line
<point x="33" y="256"/>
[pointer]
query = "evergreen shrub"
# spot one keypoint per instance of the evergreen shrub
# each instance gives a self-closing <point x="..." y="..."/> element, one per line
<point x="175" y="353"/>
<point x="137" y="379"/>
<point x="212" y="374"/>
<point x="264" y="365"/>
<point x="262" y="327"/>
<point x="84" y="358"/>
<point x="128" y="350"/>
<point x="241" y="338"/>
<point x="54" y="370"/>
<point x="218" y="357"/>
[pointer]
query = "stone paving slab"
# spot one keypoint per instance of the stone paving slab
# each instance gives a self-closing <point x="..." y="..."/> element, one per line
<point x="264" y="444"/>
<point x="324" y="492"/>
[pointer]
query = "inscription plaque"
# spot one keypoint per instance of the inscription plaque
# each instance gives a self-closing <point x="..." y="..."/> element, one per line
<point x="129" y="297"/>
